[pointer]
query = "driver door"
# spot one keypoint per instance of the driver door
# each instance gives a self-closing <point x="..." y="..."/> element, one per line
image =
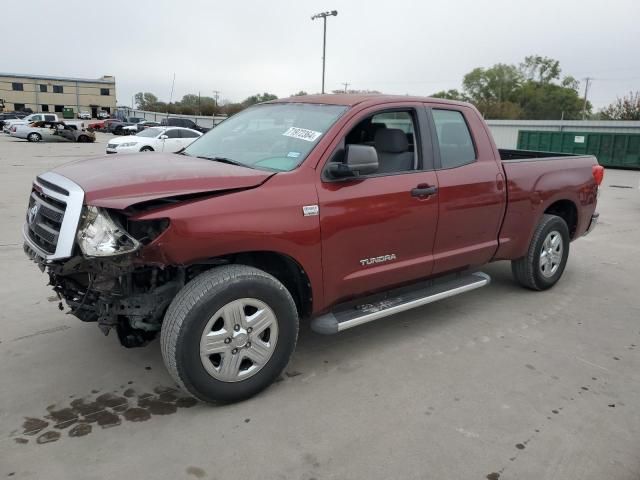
<point x="377" y="230"/>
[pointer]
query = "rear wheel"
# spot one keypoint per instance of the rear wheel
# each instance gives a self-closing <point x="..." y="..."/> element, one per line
<point x="83" y="139"/>
<point x="229" y="333"/>
<point x="34" y="137"/>
<point x="544" y="263"/>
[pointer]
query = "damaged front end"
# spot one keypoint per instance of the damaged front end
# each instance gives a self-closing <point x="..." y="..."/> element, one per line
<point x="92" y="258"/>
<point x="116" y="294"/>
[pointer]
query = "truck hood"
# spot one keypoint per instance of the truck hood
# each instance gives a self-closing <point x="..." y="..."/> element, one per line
<point x="119" y="181"/>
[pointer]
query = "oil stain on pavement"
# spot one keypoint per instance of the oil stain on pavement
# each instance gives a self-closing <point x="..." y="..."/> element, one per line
<point x="107" y="410"/>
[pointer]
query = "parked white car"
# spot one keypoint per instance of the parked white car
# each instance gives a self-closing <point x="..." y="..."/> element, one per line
<point x="158" y="139"/>
<point x="34" y="117"/>
<point x="102" y="115"/>
<point x="84" y="115"/>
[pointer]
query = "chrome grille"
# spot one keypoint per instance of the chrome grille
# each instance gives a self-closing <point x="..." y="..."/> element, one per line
<point x="44" y="220"/>
<point x="55" y="205"/>
<point x="111" y="145"/>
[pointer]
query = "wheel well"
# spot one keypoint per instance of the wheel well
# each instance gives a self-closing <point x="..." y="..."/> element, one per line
<point x="288" y="272"/>
<point x="566" y="210"/>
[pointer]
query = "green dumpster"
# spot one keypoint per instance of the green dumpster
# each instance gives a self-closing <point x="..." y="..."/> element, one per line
<point x="67" y="112"/>
<point x="611" y="149"/>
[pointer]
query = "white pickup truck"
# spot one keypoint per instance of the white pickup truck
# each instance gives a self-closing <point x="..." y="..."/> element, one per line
<point x="34" y="117"/>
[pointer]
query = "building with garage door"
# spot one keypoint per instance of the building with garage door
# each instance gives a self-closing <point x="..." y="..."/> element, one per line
<point x="42" y="93"/>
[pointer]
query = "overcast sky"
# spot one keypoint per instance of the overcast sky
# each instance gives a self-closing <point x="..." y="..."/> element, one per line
<point x="243" y="47"/>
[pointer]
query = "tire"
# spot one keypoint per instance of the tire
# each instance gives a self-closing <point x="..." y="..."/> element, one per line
<point x="539" y="269"/>
<point x="83" y="139"/>
<point x="146" y="149"/>
<point x="201" y="306"/>
<point x="34" y="137"/>
<point x="117" y="131"/>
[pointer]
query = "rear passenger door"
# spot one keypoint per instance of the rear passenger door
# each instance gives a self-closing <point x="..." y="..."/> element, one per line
<point x="173" y="141"/>
<point x="471" y="189"/>
<point x="188" y="136"/>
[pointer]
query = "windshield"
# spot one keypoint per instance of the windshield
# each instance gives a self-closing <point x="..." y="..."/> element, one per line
<point x="150" y="132"/>
<point x="276" y="136"/>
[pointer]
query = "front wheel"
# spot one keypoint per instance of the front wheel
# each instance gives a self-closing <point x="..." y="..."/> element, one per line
<point x="146" y="149"/>
<point x="542" y="266"/>
<point x="229" y="333"/>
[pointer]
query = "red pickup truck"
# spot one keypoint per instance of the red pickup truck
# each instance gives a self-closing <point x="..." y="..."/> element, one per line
<point x="337" y="209"/>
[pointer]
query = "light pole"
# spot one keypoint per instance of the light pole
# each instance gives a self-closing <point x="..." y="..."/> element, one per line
<point x="324" y="16"/>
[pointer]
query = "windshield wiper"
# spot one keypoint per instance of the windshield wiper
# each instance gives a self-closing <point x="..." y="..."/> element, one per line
<point x="223" y="160"/>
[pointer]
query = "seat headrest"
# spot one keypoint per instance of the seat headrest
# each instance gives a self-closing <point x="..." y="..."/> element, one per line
<point x="391" y="140"/>
<point x="454" y="133"/>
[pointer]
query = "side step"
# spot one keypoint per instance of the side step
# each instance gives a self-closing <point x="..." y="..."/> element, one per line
<point x="345" y="318"/>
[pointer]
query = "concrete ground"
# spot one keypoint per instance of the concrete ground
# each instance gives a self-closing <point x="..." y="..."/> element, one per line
<point x="499" y="383"/>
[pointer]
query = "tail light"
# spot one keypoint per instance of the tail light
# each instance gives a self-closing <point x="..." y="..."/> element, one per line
<point x="598" y="173"/>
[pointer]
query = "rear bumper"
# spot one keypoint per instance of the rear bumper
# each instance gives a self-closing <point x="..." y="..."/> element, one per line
<point x="593" y="223"/>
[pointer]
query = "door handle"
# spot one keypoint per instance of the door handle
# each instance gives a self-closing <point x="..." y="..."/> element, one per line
<point x="424" y="191"/>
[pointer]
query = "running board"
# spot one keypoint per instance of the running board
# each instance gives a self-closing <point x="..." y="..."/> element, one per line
<point x="340" y="320"/>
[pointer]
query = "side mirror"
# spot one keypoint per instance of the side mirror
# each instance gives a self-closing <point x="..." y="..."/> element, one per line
<point x="163" y="137"/>
<point x="358" y="160"/>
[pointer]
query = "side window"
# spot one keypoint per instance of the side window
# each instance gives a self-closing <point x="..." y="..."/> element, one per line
<point x="173" y="133"/>
<point x="189" y="134"/>
<point x="393" y="136"/>
<point x="454" y="139"/>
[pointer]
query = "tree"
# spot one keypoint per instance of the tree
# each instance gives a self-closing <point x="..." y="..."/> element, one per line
<point x="494" y="90"/>
<point x="540" y="69"/>
<point x="531" y="90"/>
<point x="451" y="94"/>
<point x="550" y="101"/>
<point x="258" y="98"/>
<point x="301" y="93"/>
<point x="146" y="100"/>
<point x="625" y="108"/>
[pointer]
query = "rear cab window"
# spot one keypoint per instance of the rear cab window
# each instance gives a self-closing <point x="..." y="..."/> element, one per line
<point x="453" y="138"/>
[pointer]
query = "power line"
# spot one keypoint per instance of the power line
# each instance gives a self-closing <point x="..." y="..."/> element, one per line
<point x="346" y="84"/>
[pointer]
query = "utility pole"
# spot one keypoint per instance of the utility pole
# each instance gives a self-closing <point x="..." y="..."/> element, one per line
<point x="324" y="16"/>
<point x="215" y="97"/>
<point x="173" y="84"/>
<point x="346" y="84"/>
<point x="586" y="92"/>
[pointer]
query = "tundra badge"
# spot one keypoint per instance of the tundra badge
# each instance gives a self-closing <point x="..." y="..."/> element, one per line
<point x="381" y="259"/>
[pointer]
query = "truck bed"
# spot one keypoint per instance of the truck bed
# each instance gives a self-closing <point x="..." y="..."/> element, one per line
<point x="535" y="181"/>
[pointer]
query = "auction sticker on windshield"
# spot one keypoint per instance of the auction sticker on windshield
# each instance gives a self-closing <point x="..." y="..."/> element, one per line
<point x="302" y="134"/>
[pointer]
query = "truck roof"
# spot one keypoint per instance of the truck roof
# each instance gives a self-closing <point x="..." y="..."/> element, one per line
<point x="351" y="99"/>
